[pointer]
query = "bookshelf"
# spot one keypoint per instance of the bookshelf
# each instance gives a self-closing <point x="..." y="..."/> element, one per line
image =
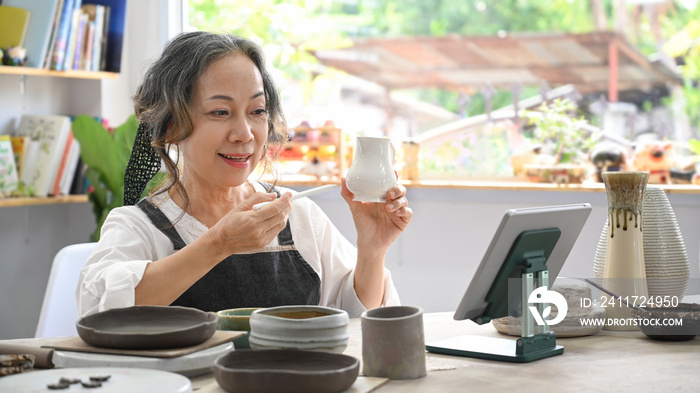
<point x="30" y="71"/>
<point x="30" y="201"/>
<point x="31" y="89"/>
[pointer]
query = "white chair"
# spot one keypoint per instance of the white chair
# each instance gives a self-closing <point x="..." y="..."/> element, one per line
<point x="59" y="311"/>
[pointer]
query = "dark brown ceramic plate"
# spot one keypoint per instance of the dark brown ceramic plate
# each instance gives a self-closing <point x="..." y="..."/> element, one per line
<point x="147" y="327"/>
<point x="285" y="371"/>
<point x="656" y="322"/>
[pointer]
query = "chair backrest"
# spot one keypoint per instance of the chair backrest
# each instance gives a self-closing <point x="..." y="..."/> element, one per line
<point x="59" y="311"/>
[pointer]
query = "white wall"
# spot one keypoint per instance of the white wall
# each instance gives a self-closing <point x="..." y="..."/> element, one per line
<point x="433" y="262"/>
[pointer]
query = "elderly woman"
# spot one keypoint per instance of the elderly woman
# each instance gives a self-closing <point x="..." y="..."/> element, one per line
<point x="196" y="241"/>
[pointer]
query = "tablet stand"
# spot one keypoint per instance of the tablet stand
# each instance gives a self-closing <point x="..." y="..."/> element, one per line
<point x="527" y="260"/>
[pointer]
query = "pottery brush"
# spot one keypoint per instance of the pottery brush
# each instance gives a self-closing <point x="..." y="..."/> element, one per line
<point x="595" y="284"/>
<point x="302" y="194"/>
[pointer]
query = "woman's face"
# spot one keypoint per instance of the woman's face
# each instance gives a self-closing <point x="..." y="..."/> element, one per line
<point x="230" y="124"/>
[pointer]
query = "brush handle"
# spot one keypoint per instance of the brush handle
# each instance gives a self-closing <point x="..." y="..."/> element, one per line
<point x="302" y="194"/>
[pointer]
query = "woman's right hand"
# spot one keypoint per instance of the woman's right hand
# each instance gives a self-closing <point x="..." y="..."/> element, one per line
<point x="244" y="229"/>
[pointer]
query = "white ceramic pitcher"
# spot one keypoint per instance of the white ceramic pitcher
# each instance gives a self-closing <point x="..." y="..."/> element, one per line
<point x="371" y="174"/>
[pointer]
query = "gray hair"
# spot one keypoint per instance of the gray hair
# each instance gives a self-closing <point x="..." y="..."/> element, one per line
<point x="163" y="97"/>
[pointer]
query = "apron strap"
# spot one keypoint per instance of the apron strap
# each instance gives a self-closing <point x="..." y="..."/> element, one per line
<point x="161" y="222"/>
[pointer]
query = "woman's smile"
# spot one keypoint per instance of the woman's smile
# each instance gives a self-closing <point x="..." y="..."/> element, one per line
<point x="237" y="160"/>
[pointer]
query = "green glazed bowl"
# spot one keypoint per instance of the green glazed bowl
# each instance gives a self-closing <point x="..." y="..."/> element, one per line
<point x="237" y="319"/>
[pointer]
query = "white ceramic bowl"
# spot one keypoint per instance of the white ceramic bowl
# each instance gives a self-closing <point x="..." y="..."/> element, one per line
<point x="314" y="328"/>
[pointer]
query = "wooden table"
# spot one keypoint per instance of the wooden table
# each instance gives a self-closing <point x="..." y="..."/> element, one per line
<point x="605" y="362"/>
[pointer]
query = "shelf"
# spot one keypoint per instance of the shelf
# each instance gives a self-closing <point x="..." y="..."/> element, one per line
<point x="9" y="70"/>
<point x="505" y="184"/>
<point x="28" y="201"/>
<point x="314" y="144"/>
<point x="310" y="181"/>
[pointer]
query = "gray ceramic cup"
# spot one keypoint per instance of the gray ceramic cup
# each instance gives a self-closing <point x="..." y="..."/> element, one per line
<point x="393" y="342"/>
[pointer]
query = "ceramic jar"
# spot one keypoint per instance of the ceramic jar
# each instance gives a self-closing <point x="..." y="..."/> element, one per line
<point x="313" y="328"/>
<point x="665" y="255"/>
<point x="371" y="174"/>
<point x="393" y="342"/>
<point x="624" y="273"/>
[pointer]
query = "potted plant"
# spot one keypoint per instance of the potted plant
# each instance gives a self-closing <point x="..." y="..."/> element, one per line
<point x="570" y="137"/>
<point x="106" y="154"/>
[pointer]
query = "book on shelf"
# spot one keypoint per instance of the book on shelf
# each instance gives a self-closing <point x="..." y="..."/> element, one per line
<point x="71" y="167"/>
<point x="19" y="148"/>
<point x="66" y="170"/>
<point x="47" y="137"/>
<point x="80" y="38"/>
<point x="14" y="22"/>
<point x="46" y="63"/>
<point x="86" y="62"/>
<point x="72" y="39"/>
<point x="79" y="184"/>
<point x="87" y="44"/>
<point x="8" y="167"/>
<point x="115" y="19"/>
<point x="62" y="34"/>
<point x="101" y="31"/>
<point x="96" y="15"/>
<point x="39" y="31"/>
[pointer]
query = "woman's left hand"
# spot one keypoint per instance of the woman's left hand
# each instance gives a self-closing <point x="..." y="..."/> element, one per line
<point x="379" y="224"/>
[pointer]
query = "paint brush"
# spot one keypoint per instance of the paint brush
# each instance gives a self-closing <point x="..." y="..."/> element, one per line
<point x="302" y="194"/>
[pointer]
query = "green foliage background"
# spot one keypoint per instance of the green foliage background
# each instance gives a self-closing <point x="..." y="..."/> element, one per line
<point x="295" y="25"/>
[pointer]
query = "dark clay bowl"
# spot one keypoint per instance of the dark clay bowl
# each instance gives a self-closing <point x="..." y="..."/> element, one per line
<point x="147" y="327"/>
<point x="285" y="371"/>
<point x="688" y="313"/>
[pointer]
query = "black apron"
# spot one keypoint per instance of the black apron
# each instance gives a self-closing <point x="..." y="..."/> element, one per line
<point x="266" y="279"/>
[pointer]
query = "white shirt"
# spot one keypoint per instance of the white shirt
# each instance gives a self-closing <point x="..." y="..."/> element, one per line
<point x="129" y="242"/>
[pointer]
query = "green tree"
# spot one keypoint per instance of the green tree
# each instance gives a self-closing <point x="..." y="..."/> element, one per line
<point x="288" y="27"/>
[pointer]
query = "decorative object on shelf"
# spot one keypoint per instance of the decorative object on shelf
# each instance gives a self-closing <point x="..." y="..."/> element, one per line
<point x="571" y="136"/>
<point x="566" y="138"/>
<point x="665" y="255"/>
<point x="316" y="168"/>
<point x="625" y="272"/>
<point x="314" y="151"/>
<point x="8" y="167"/>
<point x="410" y="170"/>
<point x="14" y="56"/>
<point x="559" y="174"/>
<point x="46" y="137"/>
<point x="106" y="154"/>
<point x="330" y="134"/>
<point x="607" y="157"/>
<point x="655" y="158"/>
<point x="528" y="155"/>
<point x="371" y="174"/>
<point x="300" y="132"/>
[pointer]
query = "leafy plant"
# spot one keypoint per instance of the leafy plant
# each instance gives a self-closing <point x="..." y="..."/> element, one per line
<point x="106" y="154"/>
<point x="554" y="122"/>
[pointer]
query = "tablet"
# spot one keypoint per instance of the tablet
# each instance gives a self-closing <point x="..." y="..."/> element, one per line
<point x="568" y="219"/>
